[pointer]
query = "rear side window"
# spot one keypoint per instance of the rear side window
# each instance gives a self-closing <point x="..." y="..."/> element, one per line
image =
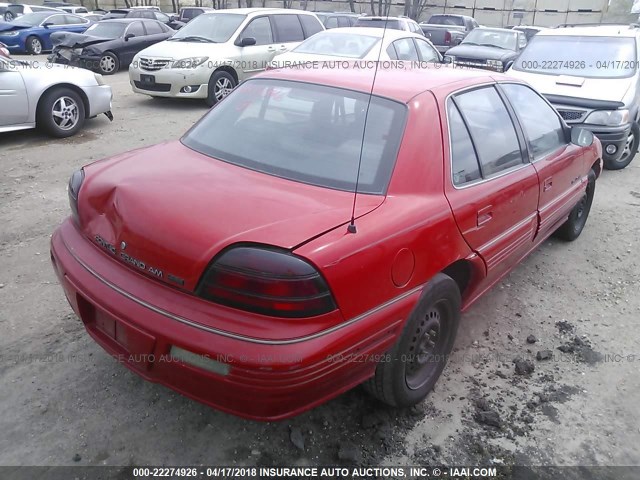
<point x="427" y="52"/>
<point x="332" y="22"/>
<point x="289" y="28"/>
<point x="343" y="21"/>
<point x="541" y="124"/>
<point x="464" y="162"/>
<point x="281" y="128"/>
<point x="491" y="129"/>
<point x="59" y="20"/>
<point x="73" y="20"/>
<point x="310" y="25"/>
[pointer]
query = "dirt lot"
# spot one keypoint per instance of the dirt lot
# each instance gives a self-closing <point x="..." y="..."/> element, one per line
<point x="64" y="401"/>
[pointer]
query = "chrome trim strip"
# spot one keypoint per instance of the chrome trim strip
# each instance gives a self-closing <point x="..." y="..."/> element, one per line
<point x="224" y="333"/>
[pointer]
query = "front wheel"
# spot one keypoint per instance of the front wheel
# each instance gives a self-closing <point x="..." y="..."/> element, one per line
<point x="572" y="228"/>
<point x="221" y="84"/>
<point x="61" y="112"/>
<point x="9" y="16"/>
<point x="34" y="45"/>
<point x="629" y="151"/>
<point x="109" y="64"/>
<point x="418" y="358"/>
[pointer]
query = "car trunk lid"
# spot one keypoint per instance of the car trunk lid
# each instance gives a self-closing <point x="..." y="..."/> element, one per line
<point x="166" y="211"/>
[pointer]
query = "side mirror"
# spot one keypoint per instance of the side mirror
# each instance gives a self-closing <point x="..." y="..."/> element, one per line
<point x="581" y="137"/>
<point x="508" y="66"/>
<point x="447" y="60"/>
<point x="128" y="36"/>
<point x="247" y="41"/>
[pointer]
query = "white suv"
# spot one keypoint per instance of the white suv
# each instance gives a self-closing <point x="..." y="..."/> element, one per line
<point x="209" y="56"/>
<point x="591" y="75"/>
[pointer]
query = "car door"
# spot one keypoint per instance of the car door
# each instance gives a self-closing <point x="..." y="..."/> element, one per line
<point x="54" y="23"/>
<point x="255" y="58"/>
<point x="558" y="162"/>
<point x="14" y="105"/>
<point x="134" y="44"/>
<point x="492" y="188"/>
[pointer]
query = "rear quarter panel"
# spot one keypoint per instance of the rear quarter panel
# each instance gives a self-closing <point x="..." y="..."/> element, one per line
<point x="414" y="219"/>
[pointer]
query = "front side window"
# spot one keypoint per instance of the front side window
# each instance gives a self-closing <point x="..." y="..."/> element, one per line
<point x="540" y="122"/>
<point x="491" y="129"/>
<point x="153" y="28"/>
<point x="106" y="30"/>
<point x="260" y="29"/>
<point x="427" y="52"/>
<point x="136" y="29"/>
<point x="74" y="20"/>
<point x="281" y="128"/>
<point x="57" y="20"/>
<point x="289" y="28"/>
<point x="332" y="22"/>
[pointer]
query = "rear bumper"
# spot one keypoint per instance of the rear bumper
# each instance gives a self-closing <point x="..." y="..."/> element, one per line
<point x="255" y="378"/>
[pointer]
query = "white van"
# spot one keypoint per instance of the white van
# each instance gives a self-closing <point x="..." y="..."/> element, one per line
<point x="591" y="75"/>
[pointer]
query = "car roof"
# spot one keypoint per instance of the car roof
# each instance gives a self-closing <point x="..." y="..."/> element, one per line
<point x="593" y="31"/>
<point x="127" y="20"/>
<point x="398" y="83"/>
<point x="496" y="29"/>
<point x="249" y="11"/>
<point x="370" y="32"/>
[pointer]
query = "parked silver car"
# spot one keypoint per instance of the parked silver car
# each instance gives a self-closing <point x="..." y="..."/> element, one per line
<point x="56" y="99"/>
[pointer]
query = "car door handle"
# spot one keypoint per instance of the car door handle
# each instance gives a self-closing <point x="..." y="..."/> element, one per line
<point x="283" y="47"/>
<point x="548" y="183"/>
<point x="271" y="49"/>
<point x="485" y="215"/>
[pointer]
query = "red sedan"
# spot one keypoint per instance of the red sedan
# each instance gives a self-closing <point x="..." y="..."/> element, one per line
<point x="227" y="265"/>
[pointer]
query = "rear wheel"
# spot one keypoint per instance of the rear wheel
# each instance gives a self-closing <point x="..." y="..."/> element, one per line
<point x="61" y="112"/>
<point x="34" y="45"/>
<point x="420" y="355"/>
<point x="629" y="151"/>
<point x="9" y="16"/>
<point x="109" y="64"/>
<point x="221" y="84"/>
<point x="572" y="228"/>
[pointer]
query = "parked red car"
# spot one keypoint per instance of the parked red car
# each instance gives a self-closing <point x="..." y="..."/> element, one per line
<point x="224" y="265"/>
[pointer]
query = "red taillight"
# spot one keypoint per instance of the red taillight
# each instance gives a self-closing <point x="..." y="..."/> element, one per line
<point x="269" y="281"/>
<point x="447" y="37"/>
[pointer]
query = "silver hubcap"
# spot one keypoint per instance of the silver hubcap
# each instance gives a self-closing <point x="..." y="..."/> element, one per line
<point x="631" y="140"/>
<point x="65" y="113"/>
<point x="107" y="64"/>
<point x="223" y="88"/>
<point x="36" y="46"/>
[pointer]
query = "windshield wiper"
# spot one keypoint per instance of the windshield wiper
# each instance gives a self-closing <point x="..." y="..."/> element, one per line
<point x="192" y="38"/>
<point x="492" y="45"/>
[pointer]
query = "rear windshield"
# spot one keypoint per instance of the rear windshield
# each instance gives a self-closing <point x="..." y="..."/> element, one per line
<point x="591" y="57"/>
<point x="304" y="132"/>
<point x="446" y="20"/>
<point x="378" y="22"/>
<point x="346" y="45"/>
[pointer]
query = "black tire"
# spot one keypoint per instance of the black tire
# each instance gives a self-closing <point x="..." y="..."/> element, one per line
<point x="34" y="45"/>
<point x="9" y="16"/>
<point x="70" y="112"/>
<point x="220" y="85"/>
<point x="629" y="152"/>
<point x="411" y="373"/>
<point x="572" y="228"/>
<point x="108" y="64"/>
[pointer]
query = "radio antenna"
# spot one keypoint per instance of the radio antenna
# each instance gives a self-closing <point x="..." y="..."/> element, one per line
<point x="352" y="224"/>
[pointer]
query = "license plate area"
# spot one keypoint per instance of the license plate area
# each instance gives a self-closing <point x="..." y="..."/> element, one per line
<point x="148" y="79"/>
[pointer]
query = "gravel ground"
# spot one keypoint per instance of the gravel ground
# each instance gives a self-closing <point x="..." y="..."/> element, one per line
<point x="64" y="401"/>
